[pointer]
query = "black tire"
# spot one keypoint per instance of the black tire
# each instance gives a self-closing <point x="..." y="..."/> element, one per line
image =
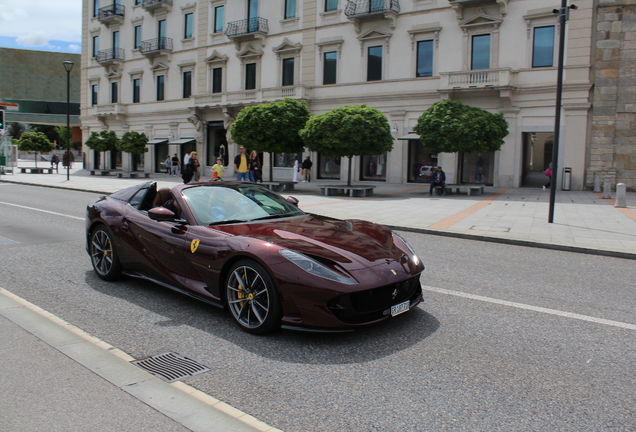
<point x="103" y="254"/>
<point x="252" y="298"/>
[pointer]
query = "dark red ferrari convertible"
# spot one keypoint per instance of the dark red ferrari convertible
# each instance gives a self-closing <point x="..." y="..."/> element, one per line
<point x="239" y="245"/>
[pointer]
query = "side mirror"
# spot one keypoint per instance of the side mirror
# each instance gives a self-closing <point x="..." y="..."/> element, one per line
<point x="161" y="214"/>
<point x="293" y="200"/>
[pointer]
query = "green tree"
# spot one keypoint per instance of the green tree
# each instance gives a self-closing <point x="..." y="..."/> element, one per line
<point x="15" y="129"/>
<point x="102" y="141"/>
<point x="354" y="130"/>
<point x="61" y="132"/>
<point x="34" y="141"/>
<point x="271" y="128"/>
<point x="47" y="130"/>
<point x="451" y="126"/>
<point x="133" y="142"/>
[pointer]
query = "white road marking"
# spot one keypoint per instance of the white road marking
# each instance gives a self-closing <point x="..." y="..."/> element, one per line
<point x="43" y="211"/>
<point x="532" y="308"/>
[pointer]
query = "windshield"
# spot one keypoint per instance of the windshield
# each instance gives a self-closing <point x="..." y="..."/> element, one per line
<point x="211" y="204"/>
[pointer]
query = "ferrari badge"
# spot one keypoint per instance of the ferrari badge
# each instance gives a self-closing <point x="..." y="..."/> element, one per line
<point x="194" y="245"/>
<point x="392" y="271"/>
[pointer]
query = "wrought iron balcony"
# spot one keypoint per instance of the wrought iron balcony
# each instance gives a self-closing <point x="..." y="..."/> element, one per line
<point x="371" y="7"/>
<point x="157" y="45"/>
<point x="112" y="13"/>
<point x="245" y="27"/>
<point x="110" y="55"/>
<point x="153" y="5"/>
<point x="369" y="10"/>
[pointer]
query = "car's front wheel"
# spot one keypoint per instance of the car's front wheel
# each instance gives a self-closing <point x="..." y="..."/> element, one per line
<point x="252" y="298"/>
<point x="103" y="255"/>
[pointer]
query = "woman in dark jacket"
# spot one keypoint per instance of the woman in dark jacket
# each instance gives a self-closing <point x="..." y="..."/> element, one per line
<point x="256" y="173"/>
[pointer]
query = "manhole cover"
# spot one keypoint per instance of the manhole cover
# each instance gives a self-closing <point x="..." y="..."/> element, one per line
<point x="171" y="366"/>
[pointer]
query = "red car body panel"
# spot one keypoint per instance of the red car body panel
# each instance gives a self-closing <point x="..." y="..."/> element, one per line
<point x="369" y="253"/>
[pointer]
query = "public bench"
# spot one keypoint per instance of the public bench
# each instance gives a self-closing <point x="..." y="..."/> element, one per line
<point x="279" y="186"/>
<point x="101" y="172"/>
<point x="36" y="170"/>
<point x="356" y="190"/>
<point x="133" y="174"/>
<point x="457" y="188"/>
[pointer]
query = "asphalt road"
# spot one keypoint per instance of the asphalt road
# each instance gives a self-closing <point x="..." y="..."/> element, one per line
<point x="509" y="338"/>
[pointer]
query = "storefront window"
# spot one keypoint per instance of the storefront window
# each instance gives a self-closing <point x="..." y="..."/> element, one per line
<point x="286" y="160"/>
<point x="328" y="167"/>
<point x="161" y="153"/>
<point x="477" y="167"/>
<point x="373" y="167"/>
<point x="421" y="163"/>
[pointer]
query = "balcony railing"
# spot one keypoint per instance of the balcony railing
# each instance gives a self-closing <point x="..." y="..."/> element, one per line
<point x="156" y="45"/>
<point x="154" y="4"/>
<point x="246" y="27"/>
<point x="477" y="79"/>
<point x="110" y="55"/>
<point x="370" y="7"/>
<point x="112" y="13"/>
<point x="253" y="96"/>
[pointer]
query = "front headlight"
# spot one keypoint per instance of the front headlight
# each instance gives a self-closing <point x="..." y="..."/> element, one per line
<point x="416" y="259"/>
<point x="315" y="268"/>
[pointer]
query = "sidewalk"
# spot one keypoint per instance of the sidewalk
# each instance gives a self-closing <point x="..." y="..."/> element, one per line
<point x="583" y="221"/>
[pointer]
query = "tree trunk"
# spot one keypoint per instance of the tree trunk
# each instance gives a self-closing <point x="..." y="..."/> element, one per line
<point x="36" y="159"/>
<point x="271" y="166"/>
<point x="349" y="172"/>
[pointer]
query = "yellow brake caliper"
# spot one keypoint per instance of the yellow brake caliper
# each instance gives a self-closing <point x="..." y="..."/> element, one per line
<point x="240" y="294"/>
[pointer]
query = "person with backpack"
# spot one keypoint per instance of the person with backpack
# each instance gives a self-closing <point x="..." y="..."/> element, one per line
<point x="548" y="173"/>
<point x="306" y="166"/>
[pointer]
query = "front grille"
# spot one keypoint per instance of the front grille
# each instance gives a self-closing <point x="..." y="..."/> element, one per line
<point x="369" y="305"/>
<point x="171" y="366"/>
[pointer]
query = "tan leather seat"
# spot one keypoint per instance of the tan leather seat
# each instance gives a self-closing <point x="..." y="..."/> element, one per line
<point x="163" y="195"/>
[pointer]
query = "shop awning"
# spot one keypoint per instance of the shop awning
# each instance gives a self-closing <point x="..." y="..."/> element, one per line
<point x="410" y="136"/>
<point x="158" y="141"/>
<point x="182" y="141"/>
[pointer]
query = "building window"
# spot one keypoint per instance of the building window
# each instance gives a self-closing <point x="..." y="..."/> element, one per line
<point x="160" y="87"/>
<point x="250" y="76"/>
<point x="114" y="92"/>
<point x="480" y="52"/>
<point x="252" y="15"/>
<point x="290" y="9"/>
<point x="95" y="8"/>
<point x="137" y="37"/>
<point x="374" y="63"/>
<point x="137" y="2"/>
<point x="218" y="19"/>
<point x="217" y="80"/>
<point x="329" y="67"/>
<point x="187" y="84"/>
<point x="331" y="5"/>
<point x="424" y="58"/>
<point x="288" y="71"/>
<point x="136" y="90"/>
<point x="543" y="46"/>
<point x="161" y="29"/>
<point x="187" y="26"/>
<point x="95" y="45"/>
<point x="94" y="90"/>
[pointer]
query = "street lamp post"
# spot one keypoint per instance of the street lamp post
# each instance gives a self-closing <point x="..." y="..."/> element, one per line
<point x="68" y="65"/>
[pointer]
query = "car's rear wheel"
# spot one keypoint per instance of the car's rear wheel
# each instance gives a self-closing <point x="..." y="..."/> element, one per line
<point x="252" y="298"/>
<point x="103" y="254"/>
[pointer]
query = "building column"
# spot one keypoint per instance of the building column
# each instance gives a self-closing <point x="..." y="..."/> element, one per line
<point x="573" y="150"/>
<point x="507" y="169"/>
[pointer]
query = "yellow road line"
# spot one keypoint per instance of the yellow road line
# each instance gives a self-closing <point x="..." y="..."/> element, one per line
<point x="458" y="217"/>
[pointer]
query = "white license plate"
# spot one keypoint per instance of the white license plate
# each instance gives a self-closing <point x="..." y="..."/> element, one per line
<point x="400" y="308"/>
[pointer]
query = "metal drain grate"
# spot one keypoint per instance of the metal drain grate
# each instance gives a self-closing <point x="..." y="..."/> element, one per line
<point x="171" y="366"/>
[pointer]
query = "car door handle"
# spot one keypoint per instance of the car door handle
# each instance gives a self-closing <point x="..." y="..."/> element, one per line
<point x="124" y="226"/>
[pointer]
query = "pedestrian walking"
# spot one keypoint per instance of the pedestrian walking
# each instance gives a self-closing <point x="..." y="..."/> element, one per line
<point x="175" y="165"/>
<point x="256" y="174"/>
<point x="189" y="171"/>
<point x="439" y="179"/>
<point x="296" y="169"/>
<point x="55" y="162"/>
<point x="548" y="173"/>
<point x="242" y="165"/>
<point x="168" y="164"/>
<point x="307" y="164"/>
<point x="218" y="170"/>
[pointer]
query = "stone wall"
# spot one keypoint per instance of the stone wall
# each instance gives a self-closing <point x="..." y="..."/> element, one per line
<point x="613" y="140"/>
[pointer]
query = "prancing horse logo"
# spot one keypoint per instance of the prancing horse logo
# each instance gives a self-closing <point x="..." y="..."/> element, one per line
<point x="194" y="245"/>
<point x="394" y="294"/>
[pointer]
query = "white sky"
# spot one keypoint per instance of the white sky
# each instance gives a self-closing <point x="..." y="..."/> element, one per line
<point x="35" y="23"/>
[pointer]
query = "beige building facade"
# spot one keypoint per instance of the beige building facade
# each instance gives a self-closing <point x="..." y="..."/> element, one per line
<point x="181" y="71"/>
